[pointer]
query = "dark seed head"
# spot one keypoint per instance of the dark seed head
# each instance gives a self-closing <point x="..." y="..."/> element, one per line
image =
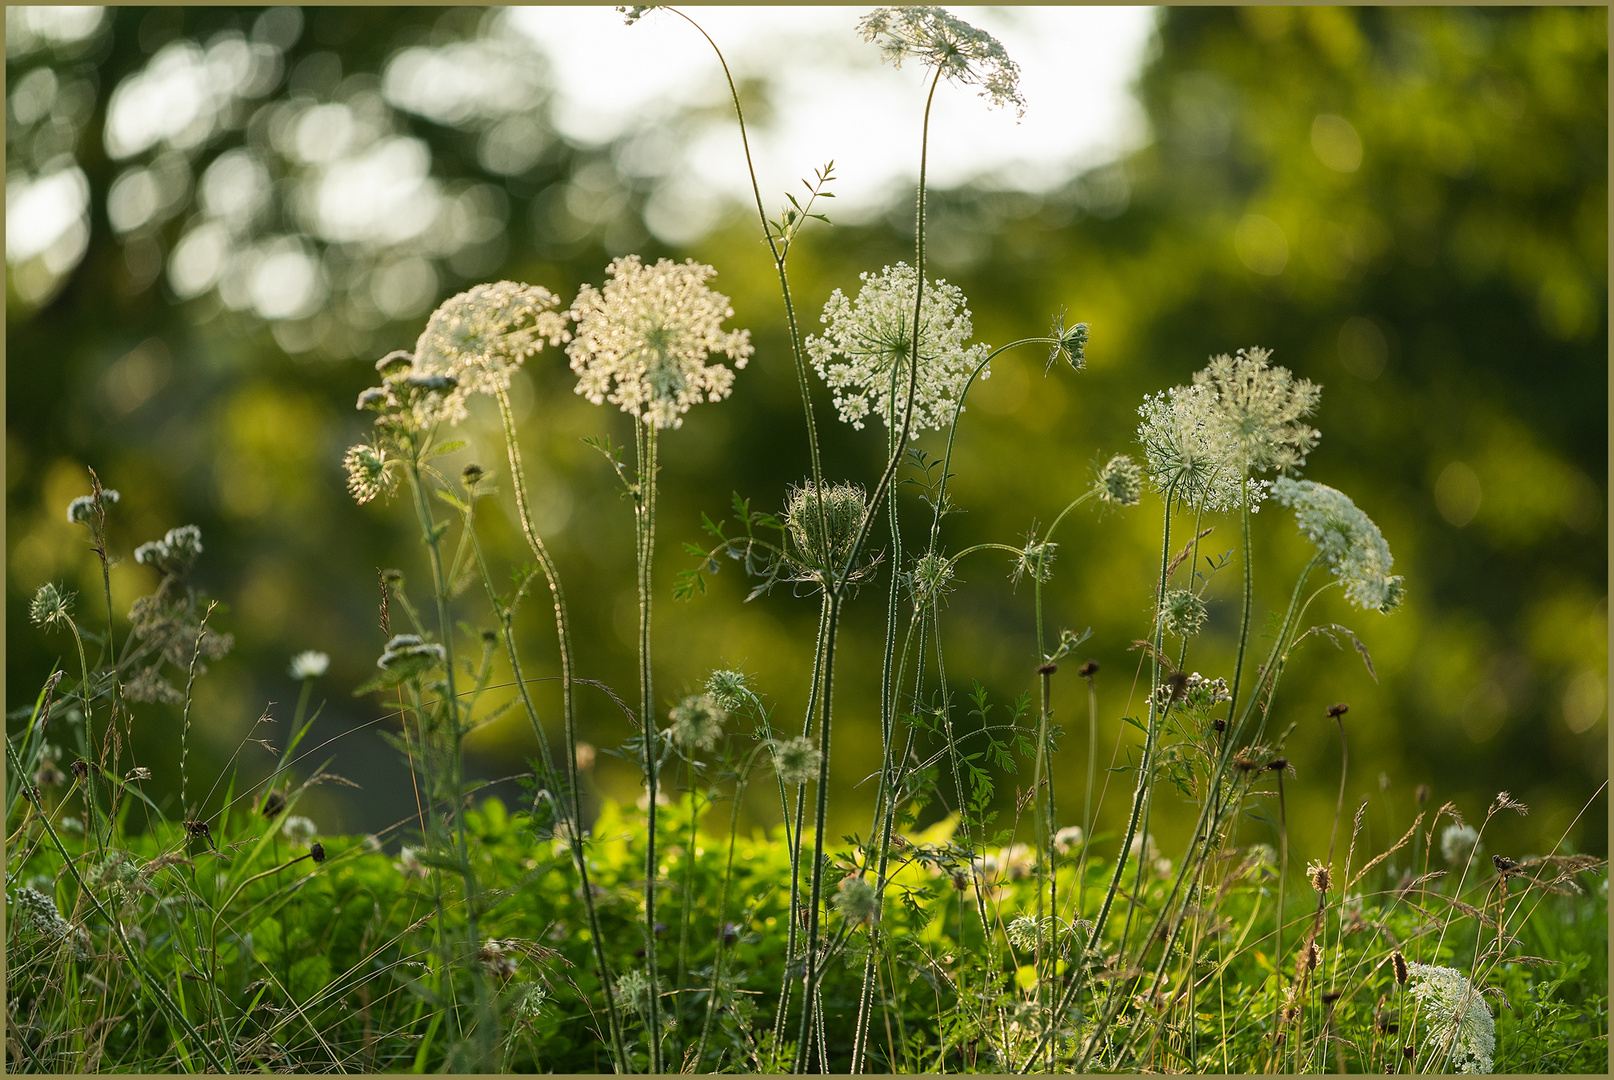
<point x="1219" y="725"/>
<point x="317" y="850"/>
<point x="471" y="474"/>
<point x="1400" y="963"/>
<point x="272" y="805"/>
<point x="1422" y="794"/>
<point x="1503" y="864"/>
<point x="81" y="768"/>
<point x="1278" y="764"/>
<point x="1048" y="668"/>
<point x="1406" y="1052"/>
<point x="1332" y="996"/>
<point x="1088" y="669"/>
<point x="1339" y="710"/>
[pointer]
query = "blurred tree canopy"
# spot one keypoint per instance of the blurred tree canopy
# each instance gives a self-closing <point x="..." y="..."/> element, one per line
<point x="218" y="217"/>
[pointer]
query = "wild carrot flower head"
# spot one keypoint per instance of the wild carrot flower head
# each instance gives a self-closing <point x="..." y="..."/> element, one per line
<point x="1257" y="408"/>
<point x="370" y="471"/>
<point x="475" y="340"/>
<point x="730" y="689"/>
<point x="50" y="605"/>
<point x="1348" y="540"/>
<point x="1458" y="844"/>
<point x="963" y="54"/>
<point x="1120" y="481"/>
<point x="1188" y="454"/>
<point x="796" y="760"/>
<point x="309" y="664"/>
<point x="857" y="901"/>
<point x="824" y="521"/>
<point x="697" y="723"/>
<point x="1457" y="1016"/>
<point x="642" y="342"/>
<point x="1182" y="613"/>
<point x="1070" y="344"/>
<point x="298" y="830"/>
<point x="873" y="335"/>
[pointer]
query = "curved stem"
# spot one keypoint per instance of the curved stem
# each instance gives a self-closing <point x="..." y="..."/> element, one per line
<point x="563" y="635"/>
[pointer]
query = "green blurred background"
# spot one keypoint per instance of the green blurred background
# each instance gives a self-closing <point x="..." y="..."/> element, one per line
<point x="1407" y="205"/>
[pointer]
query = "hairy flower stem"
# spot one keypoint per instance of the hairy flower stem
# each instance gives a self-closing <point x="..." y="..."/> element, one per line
<point x="1215" y="811"/>
<point x="645" y="444"/>
<point x="1139" y="795"/>
<point x="779" y="252"/>
<point x="792" y="935"/>
<point x="487" y="1017"/>
<point x="563" y="634"/>
<point x="821" y="813"/>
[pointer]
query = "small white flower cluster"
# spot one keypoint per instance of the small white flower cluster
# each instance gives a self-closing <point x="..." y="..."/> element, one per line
<point x="1458" y="844"/>
<point x="1069" y="839"/>
<point x="309" y="664"/>
<point x="642" y="342"/>
<point x="409" y="647"/>
<point x="369" y="472"/>
<point x="874" y="336"/>
<point x="1347" y="538"/>
<point x="1457" y="1016"/>
<point x="181" y="546"/>
<point x="475" y="341"/>
<point x="964" y="54"/>
<point x="299" y="831"/>
<point x="82" y="509"/>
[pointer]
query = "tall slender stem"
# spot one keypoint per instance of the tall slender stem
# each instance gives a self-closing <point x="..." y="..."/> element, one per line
<point x="563" y="634"/>
<point x="645" y="441"/>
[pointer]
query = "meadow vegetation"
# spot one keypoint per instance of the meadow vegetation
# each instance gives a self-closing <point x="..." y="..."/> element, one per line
<point x="960" y="931"/>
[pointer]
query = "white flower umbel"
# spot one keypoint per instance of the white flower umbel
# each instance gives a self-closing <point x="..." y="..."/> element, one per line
<point x="1347" y="538"/>
<point x="1257" y="409"/>
<point x="1187" y="453"/>
<point x="642" y="342"/>
<point x="1457" y="1015"/>
<point x="965" y="55"/>
<point x="475" y="340"/>
<point x="874" y="337"/>
<point x="309" y="664"/>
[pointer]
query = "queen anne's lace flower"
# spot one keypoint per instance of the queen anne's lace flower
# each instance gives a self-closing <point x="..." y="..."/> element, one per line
<point x="1188" y="455"/>
<point x="874" y="334"/>
<point x="1120" y="481"/>
<point x="964" y="54"/>
<point x="697" y="723"/>
<point x="796" y="760"/>
<point x="1458" y="844"/>
<point x="309" y="664"/>
<point x="1257" y="409"/>
<point x="1347" y="538"/>
<point x="1457" y="1016"/>
<point x="642" y="342"/>
<point x="474" y="341"/>
<point x="368" y="472"/>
